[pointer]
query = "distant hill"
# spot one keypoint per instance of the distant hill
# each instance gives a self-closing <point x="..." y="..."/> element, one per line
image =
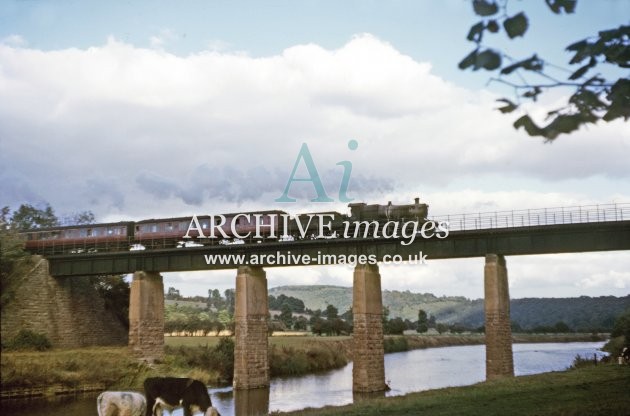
<point x="584" y="313"/>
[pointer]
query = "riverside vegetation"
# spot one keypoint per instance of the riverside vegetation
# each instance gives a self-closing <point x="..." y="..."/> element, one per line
<point x="209" y="359"/>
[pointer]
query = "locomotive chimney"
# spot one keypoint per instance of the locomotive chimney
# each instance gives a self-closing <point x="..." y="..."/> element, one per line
<point x="417" y="200"/>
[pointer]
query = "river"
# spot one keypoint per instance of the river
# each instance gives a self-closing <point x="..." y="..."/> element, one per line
<point x="405" y="372"/>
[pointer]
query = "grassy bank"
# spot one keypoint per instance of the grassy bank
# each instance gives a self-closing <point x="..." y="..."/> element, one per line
<point x="593" y="390"/>
<point x="107" y="366"/>
<point x="198" y="357"/>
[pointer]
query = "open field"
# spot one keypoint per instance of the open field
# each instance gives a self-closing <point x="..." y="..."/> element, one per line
<point x="594" y="390"/>
<point x="413" y="341"/>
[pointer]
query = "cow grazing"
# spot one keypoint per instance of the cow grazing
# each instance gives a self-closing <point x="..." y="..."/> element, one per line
<point x="171" y="392"/>
<point x="121" y="403"/>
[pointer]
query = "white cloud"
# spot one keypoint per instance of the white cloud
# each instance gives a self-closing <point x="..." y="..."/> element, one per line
<point x="14" y="40"/>
<point x="129" y="132"/>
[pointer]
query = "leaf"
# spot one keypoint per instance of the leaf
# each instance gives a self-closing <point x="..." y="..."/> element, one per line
<point x="528" y="124"/>
<point x="556" y="6"/>
<point x="469" y="60"/>
<point x="587" y="101"/>
<point x="476" y="32"/>
<point x="531" y="64"/>
<point x="562" y="124"/>
<point x="534" y="63"/>
<point x="619" y="97"/>
<point x="485" y="7"/>
<point x="488" y="59"/>
<point x="580" y="72"/>
<point x="533" y="93"/>
<point x="492" y="26"/>
<point x="577" y="45"/>
<point x="516" y="25"/>
<point x="508" y="108"/>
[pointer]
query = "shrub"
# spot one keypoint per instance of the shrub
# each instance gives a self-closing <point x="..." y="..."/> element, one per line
<point x="29" y="340"/>
<point x="290" y="361"/>
<point x="395" y="344"/>
<point x="579" y="361"/>
<point x="219" y="358"/>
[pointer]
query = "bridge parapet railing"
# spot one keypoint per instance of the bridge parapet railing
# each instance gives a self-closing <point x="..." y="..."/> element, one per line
<point x="537" y="217"/>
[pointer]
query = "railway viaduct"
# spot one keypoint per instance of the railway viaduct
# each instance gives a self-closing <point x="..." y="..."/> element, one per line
<point x="493" y="236"/>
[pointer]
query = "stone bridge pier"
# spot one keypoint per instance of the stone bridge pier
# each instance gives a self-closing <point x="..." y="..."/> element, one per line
<point x="499" y="361"/>
<point x="251" y="362"/>
<point x="368" y="368"/>
<point x="146" y="316"/>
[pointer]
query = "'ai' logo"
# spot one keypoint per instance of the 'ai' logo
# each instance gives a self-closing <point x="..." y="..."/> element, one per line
<point x="313" y="176"/>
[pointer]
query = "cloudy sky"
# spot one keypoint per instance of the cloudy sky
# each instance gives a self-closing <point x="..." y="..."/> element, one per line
<point x="148" y="109"/>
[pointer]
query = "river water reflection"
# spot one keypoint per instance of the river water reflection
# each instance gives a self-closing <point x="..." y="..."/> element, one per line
<point x="405" y="372"/>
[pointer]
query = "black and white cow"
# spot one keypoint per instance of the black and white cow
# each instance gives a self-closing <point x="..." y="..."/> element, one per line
<point x="170" y="392"/>
<point x="121" y="403"/>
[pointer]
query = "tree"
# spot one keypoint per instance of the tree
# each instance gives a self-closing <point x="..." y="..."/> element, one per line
<point x="622" y="327"/>
<point x="14" y="261"/>
<point x="115" y="292"/>
<point x="593" y="97"/>
<point x="423" y="322"/>
<point x="395" y="326"/>
<point x="28" y="217"/>
<point x="173" y="294"/>
<point x="348" y="316"/>
<point x="215" y="300"/>
<point x="300" y="324"/>
<point x="286" y="316"/>
<point x="561" y="327"/>
<point x="230" y="300"/>
<point x="385" y="319"/>
<point x="331" y="312"/>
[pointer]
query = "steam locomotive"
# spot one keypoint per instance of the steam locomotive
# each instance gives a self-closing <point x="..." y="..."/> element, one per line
<point x="170" y="232"/>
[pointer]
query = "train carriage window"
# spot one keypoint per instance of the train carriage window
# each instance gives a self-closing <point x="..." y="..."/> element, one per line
<point x="169" y="226"/>
<point x="205" y="224"/>
<point x="89" y="232"/>
<point x="110" y="231"/>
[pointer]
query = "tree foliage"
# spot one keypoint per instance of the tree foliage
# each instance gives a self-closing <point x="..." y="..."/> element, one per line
<point x="28" y="217"/>
<point x="594" y="97"/>
<point x="622" y="327"/>
<point x="423" y="321"/>
<point x="115" y="292"/>
<point x="278" y="303"/>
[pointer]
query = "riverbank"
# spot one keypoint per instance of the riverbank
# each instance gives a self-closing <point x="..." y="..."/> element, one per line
<point x="591" y="390"/>
<point x="57" y="372"/>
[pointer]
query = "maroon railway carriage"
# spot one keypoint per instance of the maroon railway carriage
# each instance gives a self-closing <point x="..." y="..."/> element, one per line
<point x="80" y="238"/>
<point x="169" y="232"/>
<point x="165" y="232"/>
